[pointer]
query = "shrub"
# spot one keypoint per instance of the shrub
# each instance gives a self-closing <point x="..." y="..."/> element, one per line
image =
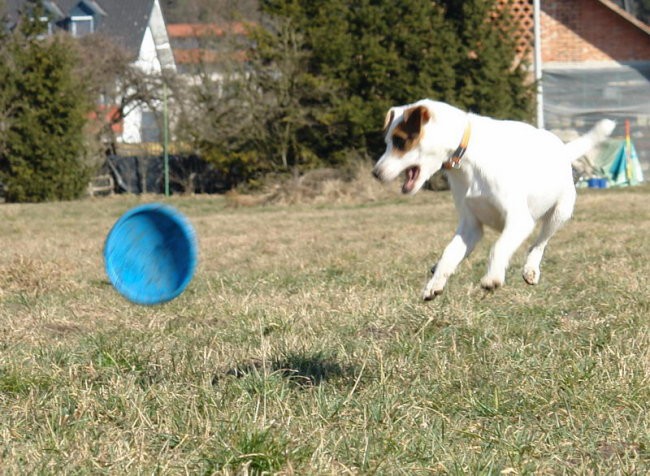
<point x="45" y="111"/>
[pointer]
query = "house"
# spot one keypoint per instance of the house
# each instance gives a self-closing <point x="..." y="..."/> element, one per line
<point x="138" y="26"/>
<point x="206" y="48"/>
<point x="595" y="63"/>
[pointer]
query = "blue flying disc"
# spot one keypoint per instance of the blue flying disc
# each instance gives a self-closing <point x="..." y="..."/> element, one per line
<point x="151" y="254"/>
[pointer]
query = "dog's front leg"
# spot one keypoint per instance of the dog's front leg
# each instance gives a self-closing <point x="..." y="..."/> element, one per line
<point x="469" y="233"/>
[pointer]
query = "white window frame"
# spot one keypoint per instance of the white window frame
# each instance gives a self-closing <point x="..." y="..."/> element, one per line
<point x="47" y="21"/>
<point x="79" y="18"/>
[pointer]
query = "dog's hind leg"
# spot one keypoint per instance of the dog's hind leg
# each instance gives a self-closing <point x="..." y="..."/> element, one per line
<point x="467" y="235"/>
<point x="515" y="232"/>
<point x="552" y="222"/>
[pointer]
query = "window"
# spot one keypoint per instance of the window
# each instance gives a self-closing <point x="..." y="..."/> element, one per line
<point x="150" y="131"/>
<point x="46" y="21"/>
<point x="81" y="25"/>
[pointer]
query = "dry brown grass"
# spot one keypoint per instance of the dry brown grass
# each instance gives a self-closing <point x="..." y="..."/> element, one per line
<point x="301" y="346"/>
<point x="322" y="186"/>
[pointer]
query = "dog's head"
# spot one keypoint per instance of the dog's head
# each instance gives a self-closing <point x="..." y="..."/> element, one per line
<point x="416" y="145"/>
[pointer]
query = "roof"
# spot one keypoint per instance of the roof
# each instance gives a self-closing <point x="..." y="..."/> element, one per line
<point x="125" y="21"/>
<point x="626" y="15"/>
<point x="193" y="43"/>
<point x="192" y="30"/>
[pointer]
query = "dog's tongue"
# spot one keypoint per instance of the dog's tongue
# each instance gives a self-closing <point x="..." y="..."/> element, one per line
<point x="412" y="174"/>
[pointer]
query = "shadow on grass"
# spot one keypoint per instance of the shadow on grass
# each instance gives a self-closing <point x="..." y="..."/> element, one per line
<point x="303" y="369"/>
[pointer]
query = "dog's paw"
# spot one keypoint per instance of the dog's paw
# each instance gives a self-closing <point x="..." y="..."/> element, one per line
<point x="490" y="283"/>
<point x="430" y="295"/>
<point x="432" y="289"/>
<point x="531" y="275"/>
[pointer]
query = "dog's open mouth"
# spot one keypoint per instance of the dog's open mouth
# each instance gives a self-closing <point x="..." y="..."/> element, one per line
<point x="412" y="174"/>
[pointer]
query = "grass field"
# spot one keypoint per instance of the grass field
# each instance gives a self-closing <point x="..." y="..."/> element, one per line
<point x="302" y="346"/>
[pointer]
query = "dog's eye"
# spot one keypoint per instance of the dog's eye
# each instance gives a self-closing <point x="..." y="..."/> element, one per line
<point x="399" y="143"/>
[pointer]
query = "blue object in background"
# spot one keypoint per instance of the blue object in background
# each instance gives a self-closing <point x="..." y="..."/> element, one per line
<point x="151" y="254"/>
<point x="597" y="182"/>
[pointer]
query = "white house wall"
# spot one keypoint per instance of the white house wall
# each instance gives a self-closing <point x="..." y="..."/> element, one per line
<point x="155" y="48"/>
<point x="161" y="38"/>
<point x="148" y="58"/>
<point x="132" y="126"/>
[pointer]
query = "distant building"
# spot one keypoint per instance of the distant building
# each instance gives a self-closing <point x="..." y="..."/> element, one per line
<point x="138" y="26"/>
<point x="206" y="48"/>
<point x="596" y="63"/>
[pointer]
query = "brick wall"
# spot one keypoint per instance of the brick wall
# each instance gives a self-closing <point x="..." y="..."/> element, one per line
<point x="586" y="30"/>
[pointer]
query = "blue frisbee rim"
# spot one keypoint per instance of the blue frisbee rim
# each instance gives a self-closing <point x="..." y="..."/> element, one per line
<point x="114" y="266"/>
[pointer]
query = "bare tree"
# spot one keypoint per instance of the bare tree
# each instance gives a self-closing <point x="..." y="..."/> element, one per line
<point x="117" y="84"/>
<point x="246" y="115"/>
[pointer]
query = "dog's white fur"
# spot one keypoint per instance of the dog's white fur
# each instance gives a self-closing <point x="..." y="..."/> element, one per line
<point x="511" y="176"/>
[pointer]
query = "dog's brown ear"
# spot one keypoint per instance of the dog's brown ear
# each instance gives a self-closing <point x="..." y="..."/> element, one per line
<point x="415" y="118"/>
<point x="390" y="115"/>
<point x="407" y="134"/>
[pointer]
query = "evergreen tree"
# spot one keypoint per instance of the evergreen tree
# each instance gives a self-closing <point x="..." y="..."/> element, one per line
<point x="378" y="53"/>
<point x="489" y="78"/>
<point x="7" y="88"/>
<point x="41" y="157"/>
<point x="322" y="74"/>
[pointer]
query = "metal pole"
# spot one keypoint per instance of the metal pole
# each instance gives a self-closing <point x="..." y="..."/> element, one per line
<point x="537" y="13"/>
<point x="165" y="140"/>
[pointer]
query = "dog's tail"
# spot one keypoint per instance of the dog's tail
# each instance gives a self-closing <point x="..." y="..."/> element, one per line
<point x="580" y="146"/>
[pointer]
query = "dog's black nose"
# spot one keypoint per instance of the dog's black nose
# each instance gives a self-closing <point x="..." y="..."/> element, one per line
<point x="375" y="174"/>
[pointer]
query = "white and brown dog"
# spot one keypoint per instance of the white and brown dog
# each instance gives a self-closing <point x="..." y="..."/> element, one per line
<point x="506" y="175"/>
